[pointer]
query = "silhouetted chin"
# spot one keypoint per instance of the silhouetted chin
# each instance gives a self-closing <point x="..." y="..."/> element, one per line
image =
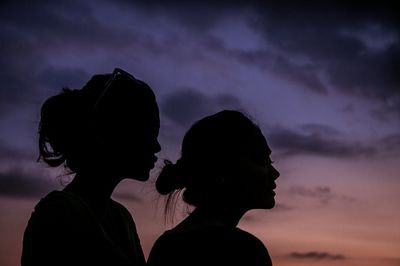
<point x="269" y="201"/>
<point x="272" y="203"/>
<point x="266" y="205"/>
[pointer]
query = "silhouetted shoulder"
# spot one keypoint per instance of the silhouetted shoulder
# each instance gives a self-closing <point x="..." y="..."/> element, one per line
<point x="52" y="228"/>
<point x="57" y="209"/>
<point x="209" y="245"/>
<point x="63" y="231"/>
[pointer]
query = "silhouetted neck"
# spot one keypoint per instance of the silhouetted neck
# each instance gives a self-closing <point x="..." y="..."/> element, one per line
<point x="95" y="190"/>
<point x="223" y="215"/>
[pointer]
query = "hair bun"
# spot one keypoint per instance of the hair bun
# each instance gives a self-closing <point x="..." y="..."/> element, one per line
<point x="60" y="121"/>
<point x="170" y="178"/>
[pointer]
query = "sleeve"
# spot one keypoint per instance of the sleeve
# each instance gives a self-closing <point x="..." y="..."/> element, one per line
<point x="246" y="249"/>
<point x="159" y="253"/>
<point x="47" y="237"/>
<point x="61" y="231"/>
<point x="130" y="227"/>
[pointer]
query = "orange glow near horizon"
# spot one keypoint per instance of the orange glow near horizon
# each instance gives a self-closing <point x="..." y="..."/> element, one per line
<point x="361" y="231"/>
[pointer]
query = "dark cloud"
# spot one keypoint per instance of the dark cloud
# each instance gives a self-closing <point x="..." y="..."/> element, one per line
<point x="304" y="75"/>
<point x="324" y="140"/>
<point x="195" y="15"/>
<point x="317" y="255"/>
<point x="49" y="25"/>
<point x="316" y="141"/>
<point x="10" y="154"/>
<point x="352" y="47"/>
<point x="58" y="78"/>
<point x="186" y="106"/>
<point x="390" y="144"/>
<point x="320" y="130"/>
<point x="337" y="40"/>
<point x="18" y="178"/>
<point x="31" y="33"/>
<point x="318" y="32"/>
<point x="24" y="40"/>
<point x="329" y="42"/>
<point x="227" y="101"/>
<point x="17" y="63"/>
<point x="21" y="184"/>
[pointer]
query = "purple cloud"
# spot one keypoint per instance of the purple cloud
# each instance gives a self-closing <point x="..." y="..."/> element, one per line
<point x="185" y="106"/>
<point x="316" y="141"/>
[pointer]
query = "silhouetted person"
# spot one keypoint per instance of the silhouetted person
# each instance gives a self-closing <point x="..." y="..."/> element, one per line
<point x="224" y="171"/>
<point x="103" y="133"/>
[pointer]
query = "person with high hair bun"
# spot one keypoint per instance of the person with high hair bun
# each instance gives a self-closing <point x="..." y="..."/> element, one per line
<point x="101" y="134"/>
<point x="224" y="171"/>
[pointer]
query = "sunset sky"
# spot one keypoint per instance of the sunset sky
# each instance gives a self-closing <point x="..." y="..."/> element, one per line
<point x="321" y="80"/>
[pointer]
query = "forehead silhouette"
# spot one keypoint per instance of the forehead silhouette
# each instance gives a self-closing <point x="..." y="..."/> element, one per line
<point x="223" y="134"/>
<point x="122" y="100"/>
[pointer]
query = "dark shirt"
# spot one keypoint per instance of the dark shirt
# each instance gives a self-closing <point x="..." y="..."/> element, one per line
<point x="209" y="245"/>
<point x="63" y="230"/>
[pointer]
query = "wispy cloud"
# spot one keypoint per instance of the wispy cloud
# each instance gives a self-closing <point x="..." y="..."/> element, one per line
<point x="185" y="106"/>
<point x="323" y="194"/>
<point x="320" y="130"/>
<point x="390" y="144"/>
<point x="317" y="255"/>
<point x="335" y="41"/>
<point x="21" y="184"/>
<point x="10" y="154"/>
<point x="19" y="177"/>
<point x="352" y="49"/>
<point x="32" y="34"/>
<point x="316" y="141"/>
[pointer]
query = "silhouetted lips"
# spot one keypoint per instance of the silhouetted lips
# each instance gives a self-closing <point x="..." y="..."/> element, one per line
<point x="272" y="189"/>
<point x="153" y="161"/>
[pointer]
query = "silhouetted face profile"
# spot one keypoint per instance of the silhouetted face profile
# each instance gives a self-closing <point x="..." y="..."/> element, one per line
<point x="131" y="148"/>
<point x="225" y="162"/>
<point x="107" y="128"/>
<point x="127" y="122"/>
<point x="256" y="174"/>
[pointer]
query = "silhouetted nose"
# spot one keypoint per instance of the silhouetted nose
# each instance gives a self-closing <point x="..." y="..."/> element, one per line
<point x="276" y="173"/>
<point x="157" y="147"/>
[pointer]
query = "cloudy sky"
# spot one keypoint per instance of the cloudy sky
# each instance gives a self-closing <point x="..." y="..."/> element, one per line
<point x="321" y="80"/>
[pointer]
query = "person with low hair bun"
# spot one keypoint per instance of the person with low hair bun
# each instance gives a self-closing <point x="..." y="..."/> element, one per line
<point x="101" y="134"/>
<point x="224" y="171"/>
